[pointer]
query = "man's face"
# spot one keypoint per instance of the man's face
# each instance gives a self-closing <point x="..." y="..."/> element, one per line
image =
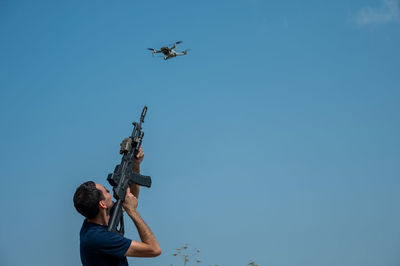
<point x="107" y="196"/>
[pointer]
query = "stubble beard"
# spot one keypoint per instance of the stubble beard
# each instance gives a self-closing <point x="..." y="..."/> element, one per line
<point x="109" y="208"/>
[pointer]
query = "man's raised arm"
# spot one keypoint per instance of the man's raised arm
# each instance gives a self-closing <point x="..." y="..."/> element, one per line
<point x="149" y="246"/>
<point x="135" y="189"/>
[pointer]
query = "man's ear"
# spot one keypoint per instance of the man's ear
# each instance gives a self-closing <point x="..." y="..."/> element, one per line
<point x="102" y="204"/>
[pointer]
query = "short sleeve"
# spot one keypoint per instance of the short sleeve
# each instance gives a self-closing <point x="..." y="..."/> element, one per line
<point x="112" y="244"/>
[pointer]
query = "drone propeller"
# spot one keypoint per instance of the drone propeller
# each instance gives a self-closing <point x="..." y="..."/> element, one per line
<point x="173" y="46"/>
<point x="152" y="51"/>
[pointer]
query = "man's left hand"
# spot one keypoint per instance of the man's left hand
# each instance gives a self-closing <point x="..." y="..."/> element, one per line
<point x="139" y="157"/>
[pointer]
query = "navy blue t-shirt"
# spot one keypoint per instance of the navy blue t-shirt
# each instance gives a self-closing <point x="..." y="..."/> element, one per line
<point x="101" y="247"/>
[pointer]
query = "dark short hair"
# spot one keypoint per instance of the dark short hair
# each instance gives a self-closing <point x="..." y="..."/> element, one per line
<point x="86" y="199"/>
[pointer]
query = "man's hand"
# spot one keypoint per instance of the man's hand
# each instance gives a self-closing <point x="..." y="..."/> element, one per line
<point x="130" y="203"/>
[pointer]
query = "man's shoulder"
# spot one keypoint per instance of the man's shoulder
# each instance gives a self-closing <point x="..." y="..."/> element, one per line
<point x="92" y="233"/>
<point x="102" y="247"/>
<point x="96" y="235"/>
<point x="88" y="227"/>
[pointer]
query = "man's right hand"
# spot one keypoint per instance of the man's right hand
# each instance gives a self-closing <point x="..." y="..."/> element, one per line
<point x="130" y="202"/>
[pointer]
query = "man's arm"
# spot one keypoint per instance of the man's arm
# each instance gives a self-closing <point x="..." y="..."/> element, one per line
<point x="149" y="246"/>
<point x="135" y="189"/>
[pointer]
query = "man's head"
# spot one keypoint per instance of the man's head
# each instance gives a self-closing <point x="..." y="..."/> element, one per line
<point x="90" y="198"/>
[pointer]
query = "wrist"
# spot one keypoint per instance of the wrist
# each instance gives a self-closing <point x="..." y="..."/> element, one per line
<point x="132" y="212"/>
<point x="136" y="168"/>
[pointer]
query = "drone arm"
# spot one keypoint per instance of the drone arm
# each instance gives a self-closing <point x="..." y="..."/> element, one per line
<point x="183" y="53"/>
<point x="154" y="51"/>
<point x="176" y="44"/>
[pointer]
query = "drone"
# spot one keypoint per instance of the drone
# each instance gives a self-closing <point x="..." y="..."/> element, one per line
<point x="169" y="52"/>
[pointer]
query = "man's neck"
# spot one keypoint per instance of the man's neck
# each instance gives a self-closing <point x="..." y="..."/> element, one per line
<point x="101" y="219"/>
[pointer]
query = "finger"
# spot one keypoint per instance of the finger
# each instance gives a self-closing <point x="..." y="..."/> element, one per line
<point x="140" y="154"/>
<point x="128" y="190"/>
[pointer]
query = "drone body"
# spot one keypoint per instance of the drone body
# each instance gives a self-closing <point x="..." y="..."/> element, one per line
<point x="169" y="52"/>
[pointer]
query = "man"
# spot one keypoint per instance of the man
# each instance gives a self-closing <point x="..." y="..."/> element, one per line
<point x="100" y="247"/>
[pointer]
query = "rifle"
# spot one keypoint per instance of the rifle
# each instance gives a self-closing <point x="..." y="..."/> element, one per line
<point x="123" y="175"/>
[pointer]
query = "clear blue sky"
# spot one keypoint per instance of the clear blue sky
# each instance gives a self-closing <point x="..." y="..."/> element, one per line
<point x="275" y="139"/>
